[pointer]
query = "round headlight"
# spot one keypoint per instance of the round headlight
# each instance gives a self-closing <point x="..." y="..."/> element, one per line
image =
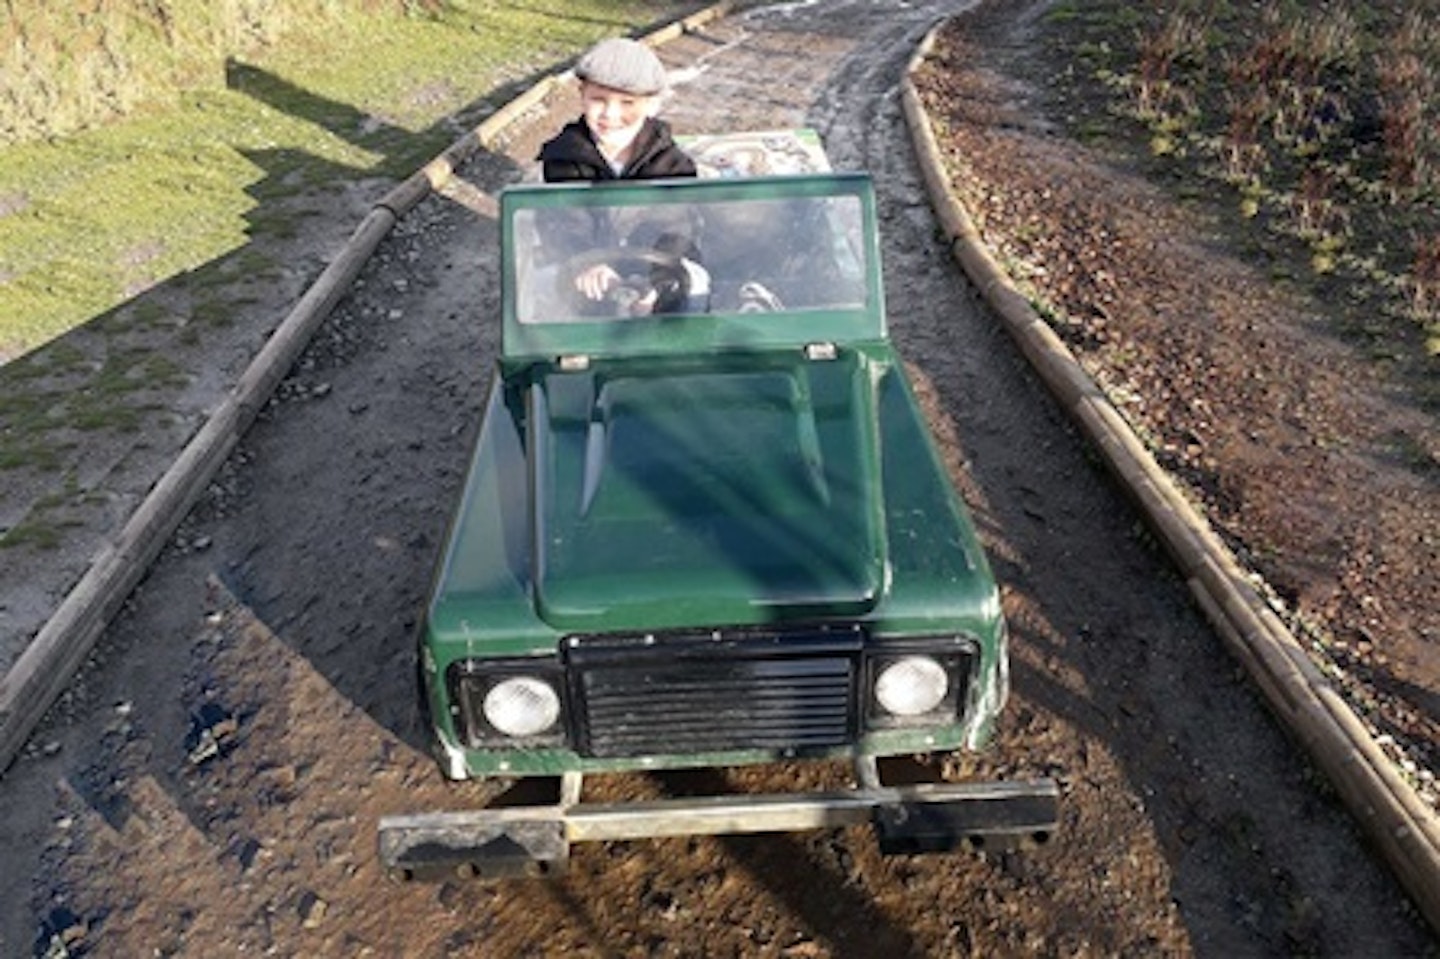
<point x="911" y="686"/>
<point x="522" y="706"/>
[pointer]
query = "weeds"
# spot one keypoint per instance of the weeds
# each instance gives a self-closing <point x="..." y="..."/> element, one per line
<point x="1408" y="84"/>
<point x="1243" y="154"/>
<point x="1324" y="121"/>
<point x="1177" y="39"/>
<point x="1402" y="114"/>
<point x="1425" y="289"/>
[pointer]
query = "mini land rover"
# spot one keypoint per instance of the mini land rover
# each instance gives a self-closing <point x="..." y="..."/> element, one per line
<point x="705" y="525"/>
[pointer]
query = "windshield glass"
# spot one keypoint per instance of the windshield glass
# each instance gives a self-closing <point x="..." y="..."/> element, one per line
<point x="592" y="261"/>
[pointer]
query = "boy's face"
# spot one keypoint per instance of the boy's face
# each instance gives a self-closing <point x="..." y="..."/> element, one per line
<point x="614" y="116"/>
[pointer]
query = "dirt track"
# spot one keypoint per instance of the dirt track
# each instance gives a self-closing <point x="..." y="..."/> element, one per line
<point x="288" y="603"/>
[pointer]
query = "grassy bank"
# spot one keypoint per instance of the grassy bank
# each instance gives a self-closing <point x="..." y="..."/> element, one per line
<point x="1320" y="122"/>
<point x="142" y="140"/>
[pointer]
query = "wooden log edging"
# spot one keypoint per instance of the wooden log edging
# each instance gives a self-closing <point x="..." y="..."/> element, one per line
<point x="50" y="661"/>
<point x="1405" y="830"/>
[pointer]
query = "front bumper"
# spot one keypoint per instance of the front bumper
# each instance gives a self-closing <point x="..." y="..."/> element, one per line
<point x="511" y="842"/>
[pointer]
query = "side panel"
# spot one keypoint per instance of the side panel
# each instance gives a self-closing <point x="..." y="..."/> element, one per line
<point x="480" y="603"/>
<point x="940" y="578"/>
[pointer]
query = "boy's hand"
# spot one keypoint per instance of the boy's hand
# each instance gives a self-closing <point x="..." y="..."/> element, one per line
<point x="595" y="281"/>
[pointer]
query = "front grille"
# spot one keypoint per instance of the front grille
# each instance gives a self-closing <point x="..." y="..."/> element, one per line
<point x="677" y="693"/>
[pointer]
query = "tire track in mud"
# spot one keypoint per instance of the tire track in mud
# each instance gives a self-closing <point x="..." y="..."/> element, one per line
<point x="1189" y="824"/>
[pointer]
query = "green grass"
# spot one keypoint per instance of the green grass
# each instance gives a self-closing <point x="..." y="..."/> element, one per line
<point x="45" y="525"/>
<point x="102" y="211"/>
<point x="66" y="392"/>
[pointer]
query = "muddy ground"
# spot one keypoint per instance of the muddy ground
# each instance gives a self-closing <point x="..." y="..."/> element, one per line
<point x="211" y="787"/>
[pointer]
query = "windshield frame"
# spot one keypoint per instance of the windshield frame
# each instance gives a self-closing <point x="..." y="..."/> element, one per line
<point x="698" y="332"/>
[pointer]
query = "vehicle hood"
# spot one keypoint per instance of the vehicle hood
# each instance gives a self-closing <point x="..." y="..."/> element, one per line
<point x="692" y="495"/>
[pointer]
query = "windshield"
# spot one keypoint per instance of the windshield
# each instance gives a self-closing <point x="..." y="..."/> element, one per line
<point x="615" y="261"/>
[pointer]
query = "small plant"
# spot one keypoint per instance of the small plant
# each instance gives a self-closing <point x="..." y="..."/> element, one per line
<point x="1157" y="95"/>
<point x="1333" y="39"/>
<point x="1275" y="55"/>
<point x="1425" y="285"/>
<point x="1243" y="155"/>
<point x="1319" y="218"/>
<point x="1405" y="87"/>
<point x="1408" y="75"/>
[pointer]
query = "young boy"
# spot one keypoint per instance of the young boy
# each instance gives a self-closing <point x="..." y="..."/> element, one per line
<point x="618" y="135"/>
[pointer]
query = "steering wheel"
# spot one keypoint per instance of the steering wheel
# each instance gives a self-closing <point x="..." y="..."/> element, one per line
<point x="636" y="268"/>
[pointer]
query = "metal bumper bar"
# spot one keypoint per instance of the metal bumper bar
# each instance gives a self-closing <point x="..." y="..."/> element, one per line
<point x="535" y="840"/>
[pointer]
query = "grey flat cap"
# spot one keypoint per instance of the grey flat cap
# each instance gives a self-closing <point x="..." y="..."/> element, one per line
<point x="626" y="65"/>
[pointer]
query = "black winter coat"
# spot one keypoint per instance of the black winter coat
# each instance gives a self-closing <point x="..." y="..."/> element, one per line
<point x="572" y="155"/>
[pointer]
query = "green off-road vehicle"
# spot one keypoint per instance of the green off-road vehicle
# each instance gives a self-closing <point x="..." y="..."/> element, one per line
<point x="704" y="526"/>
